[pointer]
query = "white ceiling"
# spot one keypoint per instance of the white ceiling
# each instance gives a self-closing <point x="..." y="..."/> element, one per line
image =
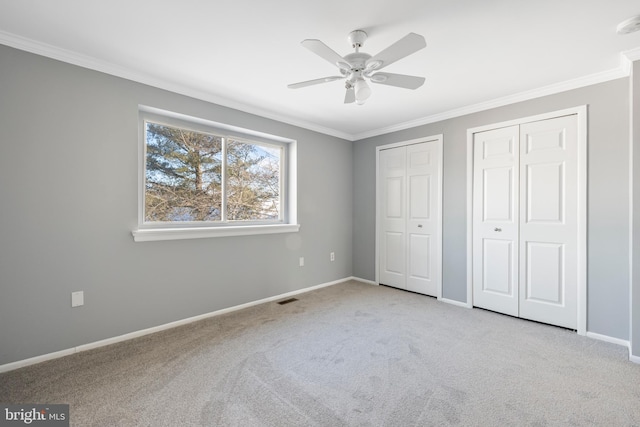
<point x="243" y="53"/>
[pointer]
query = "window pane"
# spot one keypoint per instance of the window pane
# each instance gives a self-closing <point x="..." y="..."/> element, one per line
<point x="253" y="181"/>
<point x="183" y="178"/>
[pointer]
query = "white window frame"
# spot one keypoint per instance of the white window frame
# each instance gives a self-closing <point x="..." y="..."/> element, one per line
<point x="153" y="231"/>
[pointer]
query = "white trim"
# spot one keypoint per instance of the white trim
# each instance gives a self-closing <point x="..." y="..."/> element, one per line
<point x="368" y="282"/>
<point x="376" y="244"/>
<point x="634" y="359"/>
<point x="157" y="234"/>
<point x="136" y="334"/>
<point x="632" y="55"/>
<point x="536" y="118"/>
<point x="583" y="179"/>
<point x="440" y="221"/>
<point x="607" y="338"/>
<point x="433" y="138"/>
<point x="625" y="63"/>
<point x="581" y="113"/>
<point x="631" y="203"/>
<point x="34" y="360"/>
<point x="89" y="62"/>
<point x="172" y="231"/>
<point x="592" y="79"/>
<point x="469" y="218"/>
<point x="456" y="303"/>
<point x="102" y="66"/>
<point x="173" y="118"/>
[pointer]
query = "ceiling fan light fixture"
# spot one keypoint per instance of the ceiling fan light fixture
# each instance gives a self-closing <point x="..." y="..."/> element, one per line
<point x="363" y="91"/>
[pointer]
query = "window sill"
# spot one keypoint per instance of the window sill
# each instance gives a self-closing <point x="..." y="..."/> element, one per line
<point x="155" y="234"/>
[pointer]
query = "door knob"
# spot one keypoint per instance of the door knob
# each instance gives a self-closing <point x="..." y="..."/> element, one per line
<point x="497" y="229"/>
<point x="419" y="225"/>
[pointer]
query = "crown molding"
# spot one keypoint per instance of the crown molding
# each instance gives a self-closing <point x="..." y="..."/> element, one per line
<point x="95" y="64"/>
<point x="621" y="71"/>
<point x="85" y="61"/>
<point x="632" y="55"/>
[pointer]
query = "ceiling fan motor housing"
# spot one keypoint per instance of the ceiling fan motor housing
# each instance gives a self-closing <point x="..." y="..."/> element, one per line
<point x="357" y="61"/>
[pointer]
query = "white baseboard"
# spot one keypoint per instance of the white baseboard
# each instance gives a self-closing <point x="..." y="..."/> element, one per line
<point x="607" y="338"/>
<point x="368" y="282"/>
<point x="454" y="302"/>
<point x="34" y="360"/>
<point x="84" y="347"/>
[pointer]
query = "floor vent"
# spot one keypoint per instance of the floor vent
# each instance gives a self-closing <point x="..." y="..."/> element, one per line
<point x="287" y="301"/>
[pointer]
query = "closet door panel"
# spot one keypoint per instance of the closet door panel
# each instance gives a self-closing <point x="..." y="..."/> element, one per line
<point x="393" y="261"/>
<point x="422" y="217"/>
<point x="495" y="220"/>
<point x="548" y="228"/>
<point x="409" y="210"/>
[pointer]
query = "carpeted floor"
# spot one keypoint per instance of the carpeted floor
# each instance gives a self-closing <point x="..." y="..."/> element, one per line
<point x="350" y="354"/>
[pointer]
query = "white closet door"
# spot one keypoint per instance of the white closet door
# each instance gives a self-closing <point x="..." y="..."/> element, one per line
<point x="410" y="242"/>
<point x="392" y="176"/>
<point x="495" y="220"/>
<point x="423" y="191"/>
<point x="548" y="221"/>
<point x="525" y="221"/>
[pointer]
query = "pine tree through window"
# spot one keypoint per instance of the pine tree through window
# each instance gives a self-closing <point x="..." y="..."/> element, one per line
<point x="198" y="177"/>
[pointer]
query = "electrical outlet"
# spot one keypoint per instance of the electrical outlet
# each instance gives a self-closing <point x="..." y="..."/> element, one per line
<point x="332" y="256"/>
<point x="77" y="299"/>
<point x="301" y="261"/>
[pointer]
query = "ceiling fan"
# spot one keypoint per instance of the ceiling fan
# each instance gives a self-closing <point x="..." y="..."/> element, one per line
<point x="358" y="66"/>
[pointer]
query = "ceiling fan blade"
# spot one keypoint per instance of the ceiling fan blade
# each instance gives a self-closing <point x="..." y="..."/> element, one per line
<point x="314" y="82"/>
<point x="398" y="80"/>
<point x="350" y="96"/>
<point x="407" y="45"/>
<point x="324" y="51"/>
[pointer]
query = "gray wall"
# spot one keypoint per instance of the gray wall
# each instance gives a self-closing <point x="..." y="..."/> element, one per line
<point x="635" y="302"/>
<point x="68" y="197"/>
<point x="68" y="191"/>
<point x="608" y="197"/>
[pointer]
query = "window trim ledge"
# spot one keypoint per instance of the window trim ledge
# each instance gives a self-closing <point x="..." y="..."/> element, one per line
<point x="157" y="234"/>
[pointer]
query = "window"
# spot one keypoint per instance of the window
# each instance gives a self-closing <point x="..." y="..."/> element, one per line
<point x="204" y="179"/>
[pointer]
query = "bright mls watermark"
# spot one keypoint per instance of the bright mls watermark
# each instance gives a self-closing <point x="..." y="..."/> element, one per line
<point x="34" y="415"/>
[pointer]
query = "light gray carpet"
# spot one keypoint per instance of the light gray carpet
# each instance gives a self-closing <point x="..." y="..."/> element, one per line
<point x="349" y="354"/>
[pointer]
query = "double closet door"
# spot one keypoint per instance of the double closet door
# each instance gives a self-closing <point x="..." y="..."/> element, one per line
<point x="409" y="217"/>
<point x="525" y="221"/>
